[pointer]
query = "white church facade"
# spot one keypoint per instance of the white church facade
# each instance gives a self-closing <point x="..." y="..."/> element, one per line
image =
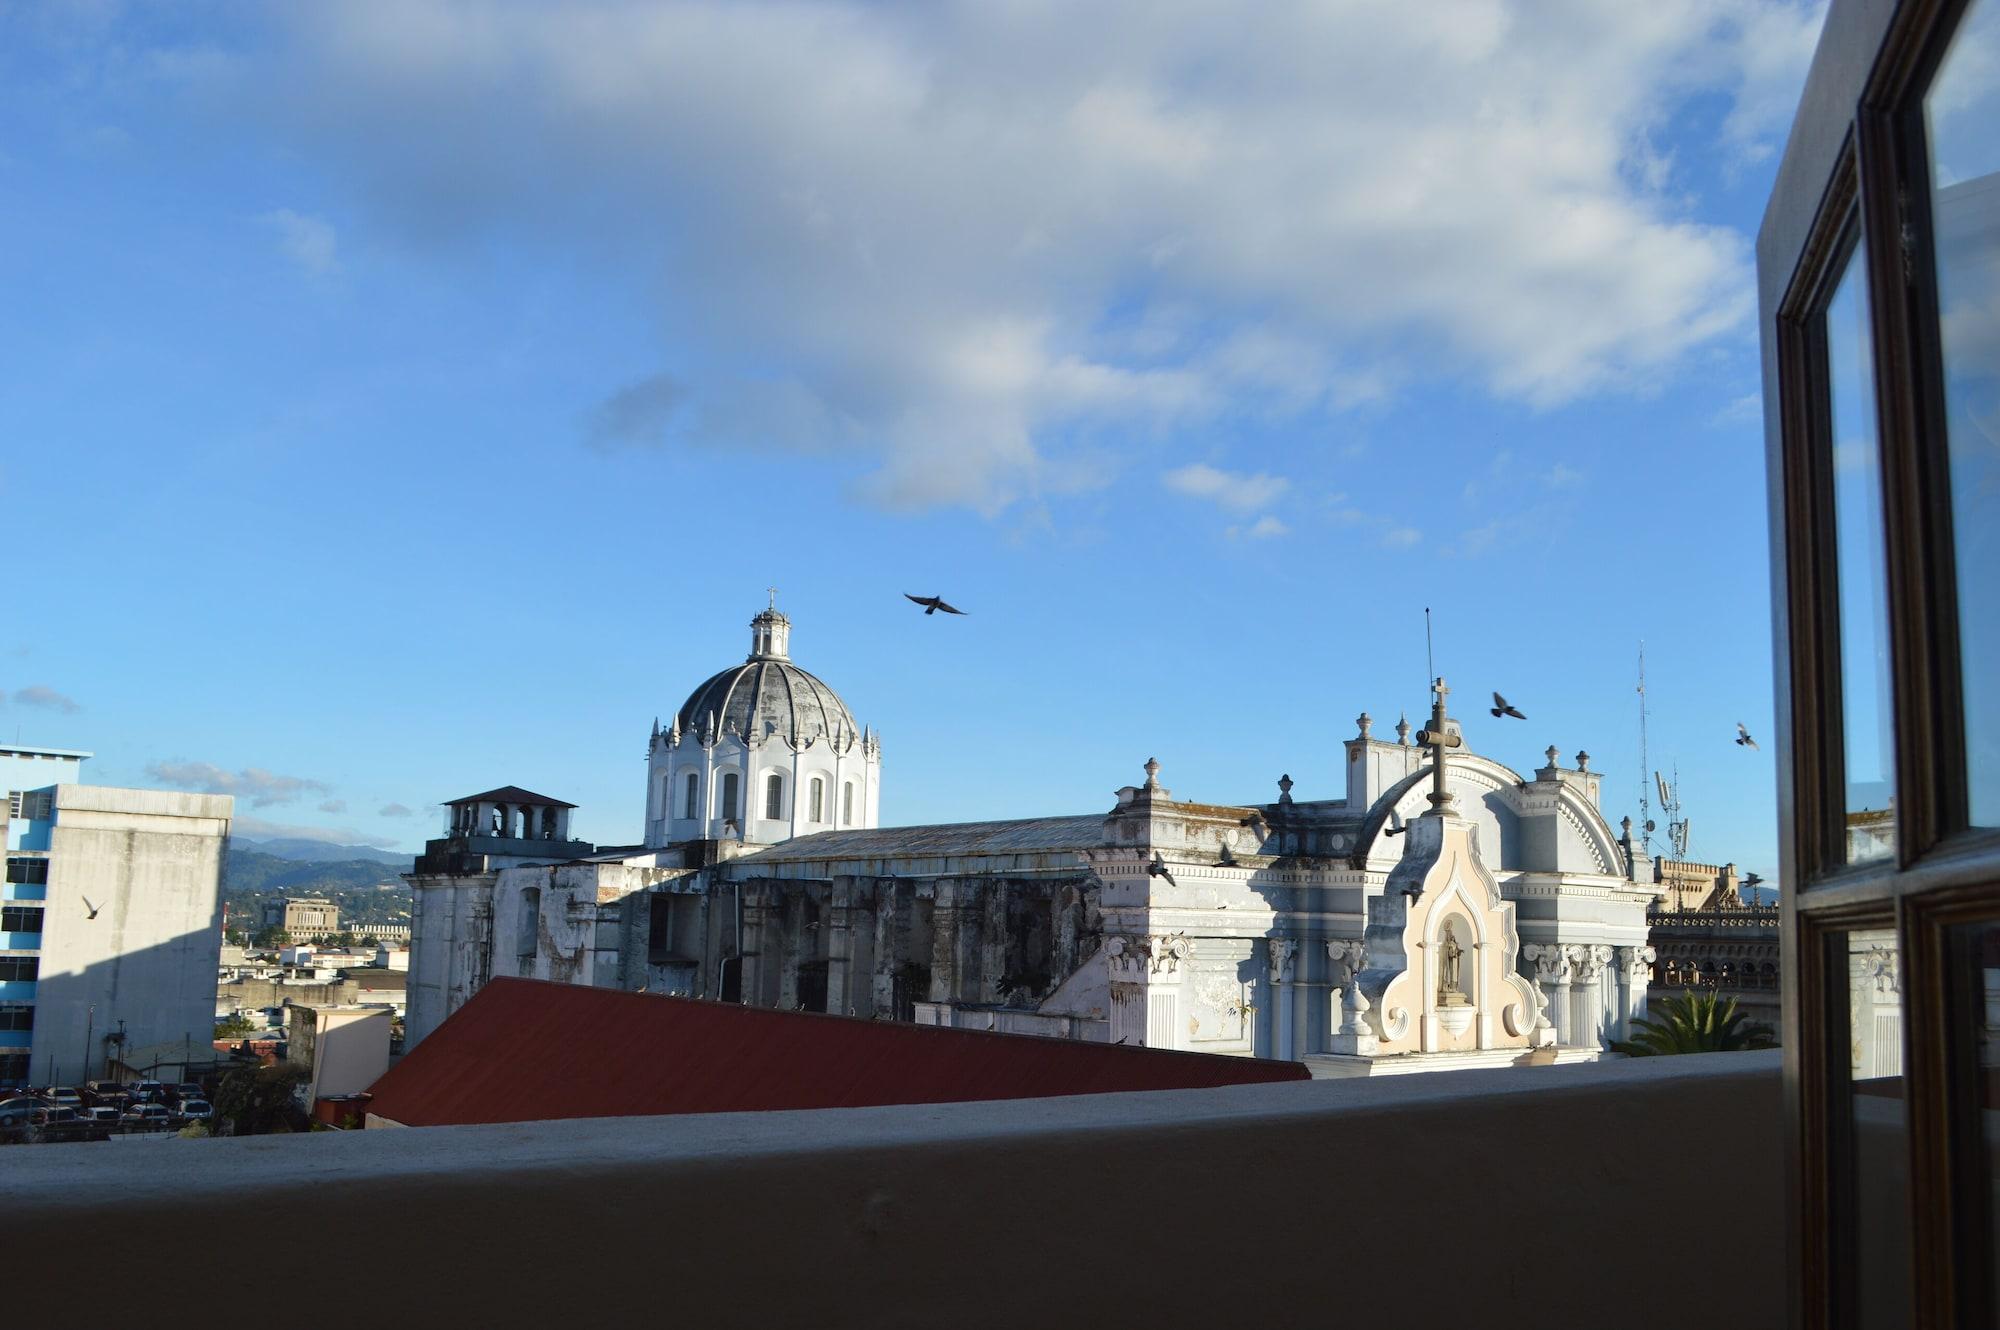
<point x="1441" y="910"/>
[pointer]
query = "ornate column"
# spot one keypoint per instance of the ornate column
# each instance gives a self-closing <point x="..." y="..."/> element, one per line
<point x="1588" y="994"/>
<point x="1553" y="971"/>
<point x="1281" y="956"/>
<point x="1635" y="972"/>
<point x="1343" y="958"/>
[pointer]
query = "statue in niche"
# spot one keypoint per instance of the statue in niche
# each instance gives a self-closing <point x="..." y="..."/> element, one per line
<point x="1450" y="953"/>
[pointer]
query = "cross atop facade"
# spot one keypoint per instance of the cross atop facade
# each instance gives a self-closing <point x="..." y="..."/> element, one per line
<point x="774" y="596"/>
<point x="1440" y="741"/>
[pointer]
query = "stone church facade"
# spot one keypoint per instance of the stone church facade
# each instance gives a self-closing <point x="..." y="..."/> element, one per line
<point x="1313" y="928"/>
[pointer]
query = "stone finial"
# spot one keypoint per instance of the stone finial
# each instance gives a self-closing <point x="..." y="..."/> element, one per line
<point x="1551" y="754"/>
<point x="1152" y="773"/>
<point x="1285" y="788"/>
<point x="1364" y="722"/>
<point x="1626" y="826"/>
<point x="1403" y="729"/>
<point x="1582" y="760"/>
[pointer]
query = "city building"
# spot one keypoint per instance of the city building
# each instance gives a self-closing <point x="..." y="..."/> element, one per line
<point x="302" y="917"/>
<point x="344" y="1049"/>
<point x="1277" y="928"/>
<point x="110" y="932"/>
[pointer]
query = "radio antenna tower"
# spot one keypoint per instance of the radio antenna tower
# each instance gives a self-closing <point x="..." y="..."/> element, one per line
<point x="1645" y="767"/>
<point x="1430" y="660"/>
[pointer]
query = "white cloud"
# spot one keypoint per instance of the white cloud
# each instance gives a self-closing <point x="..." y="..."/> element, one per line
<point x="45" y="698"/>
<point x="1234" y="490"/>
<point x="1561" y="477"/>
<point x="307" y="241"/>
<point x="244" y="824"/>
<point x="262" y="788"/>
<point x="1264" y="528"/>
<point x="965" y="237"/>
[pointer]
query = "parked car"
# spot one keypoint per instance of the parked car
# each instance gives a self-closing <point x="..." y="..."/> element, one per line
<point x="187" y="1090"/>
<point x="146" y="1114"/>
<point x="100" y="1113"/>
<point x="57" y="1114"/>
<point x="19" y="1112"/>
<point x="63" y="1095"/>
<point x="98" y="1092"/>
<point x="147" y="1092"/>
<point x="196" y="1110"/>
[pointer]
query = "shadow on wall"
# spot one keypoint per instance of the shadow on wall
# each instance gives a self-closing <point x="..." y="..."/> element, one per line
<point x="122" y="1004"/>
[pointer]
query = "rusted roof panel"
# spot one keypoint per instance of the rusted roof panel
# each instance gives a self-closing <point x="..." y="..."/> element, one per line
<point x="525" y="1050"/>
<point x="942" y="839"/>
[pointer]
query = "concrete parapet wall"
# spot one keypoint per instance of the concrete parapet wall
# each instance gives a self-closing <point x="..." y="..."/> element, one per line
<point x="1493" y="1198"/>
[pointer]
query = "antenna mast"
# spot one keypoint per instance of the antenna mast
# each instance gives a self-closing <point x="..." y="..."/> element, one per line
<point x="1430" y="660"/>
<point x="1645" y="768"/>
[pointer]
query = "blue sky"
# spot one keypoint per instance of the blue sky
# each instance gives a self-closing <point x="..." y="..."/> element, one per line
<point x="400" y="400"/>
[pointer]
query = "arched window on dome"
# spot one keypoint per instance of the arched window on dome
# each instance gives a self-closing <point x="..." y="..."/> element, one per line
<point x="847" y="803"/>
<point x="729" y="797"/>
<point x="774" y="796"/>
<point x="693" y="796"/>
<point x="817" y="804"/>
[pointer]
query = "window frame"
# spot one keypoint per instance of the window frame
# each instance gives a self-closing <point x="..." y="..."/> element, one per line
<point x="1857" y="166"/>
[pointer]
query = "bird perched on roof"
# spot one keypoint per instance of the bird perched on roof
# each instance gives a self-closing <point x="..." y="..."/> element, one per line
<point x="1502" y="707"/>
<point x="1743" y="736"/>
<point x="932" y="604"/>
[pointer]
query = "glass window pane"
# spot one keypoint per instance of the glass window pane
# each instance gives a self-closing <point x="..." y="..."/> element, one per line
<point x="1868" y="717"/>
<point x="1878" y="1193"/>
<point x="1961" y="111"/>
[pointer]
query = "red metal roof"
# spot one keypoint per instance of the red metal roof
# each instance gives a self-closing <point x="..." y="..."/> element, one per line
<point x="525" y="1050"/>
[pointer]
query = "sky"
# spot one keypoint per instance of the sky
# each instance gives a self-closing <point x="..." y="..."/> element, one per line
<point x="403" y="399"/>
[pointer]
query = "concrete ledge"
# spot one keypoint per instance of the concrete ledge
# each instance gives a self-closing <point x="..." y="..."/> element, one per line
<point x="1498" y="1198"/>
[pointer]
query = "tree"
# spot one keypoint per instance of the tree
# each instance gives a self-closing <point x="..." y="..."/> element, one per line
<point x="257" y="1101"/>
<point x="273" y="936"/>
<point x="237" y="1026"/>
<point x="1693" y="1023"/>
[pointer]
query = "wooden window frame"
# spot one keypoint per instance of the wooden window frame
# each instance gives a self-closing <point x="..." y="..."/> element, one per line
<point x="1857" y="168"/>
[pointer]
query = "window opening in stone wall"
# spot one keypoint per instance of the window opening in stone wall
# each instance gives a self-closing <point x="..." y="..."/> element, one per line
<point x="729" y="797"/>
<point x="20" y="969"/>
<point x="528" y="933"/>
<point x="693" y="805"/>
<point x="28" y="870"/>
<point x="774" y="797"/>
<point x="847" y="804"/>
<point x="659" y="928"/>
<point x="817" y="805"/>
<point x="20" y="918"/>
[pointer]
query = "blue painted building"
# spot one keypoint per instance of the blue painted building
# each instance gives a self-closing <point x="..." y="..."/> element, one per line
<point x="29" y="775"/>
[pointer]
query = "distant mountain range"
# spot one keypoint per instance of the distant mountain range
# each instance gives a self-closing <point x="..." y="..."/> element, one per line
<point x="252" y="867"/>
<point x="319" y="851"/>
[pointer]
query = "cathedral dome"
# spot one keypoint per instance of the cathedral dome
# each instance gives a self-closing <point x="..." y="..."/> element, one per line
<point x="767" y="696"/>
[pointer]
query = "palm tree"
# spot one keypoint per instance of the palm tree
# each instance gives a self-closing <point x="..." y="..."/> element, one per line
<point x="1693" y="1023"/>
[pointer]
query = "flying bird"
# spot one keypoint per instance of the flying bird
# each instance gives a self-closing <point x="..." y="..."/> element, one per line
<point x="932" y="604"/>
<point x="1158" y="868"/>
<point x="1502" y="707"/>
<point x="88" y="906"/>
<point x="1743" y="736"/>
